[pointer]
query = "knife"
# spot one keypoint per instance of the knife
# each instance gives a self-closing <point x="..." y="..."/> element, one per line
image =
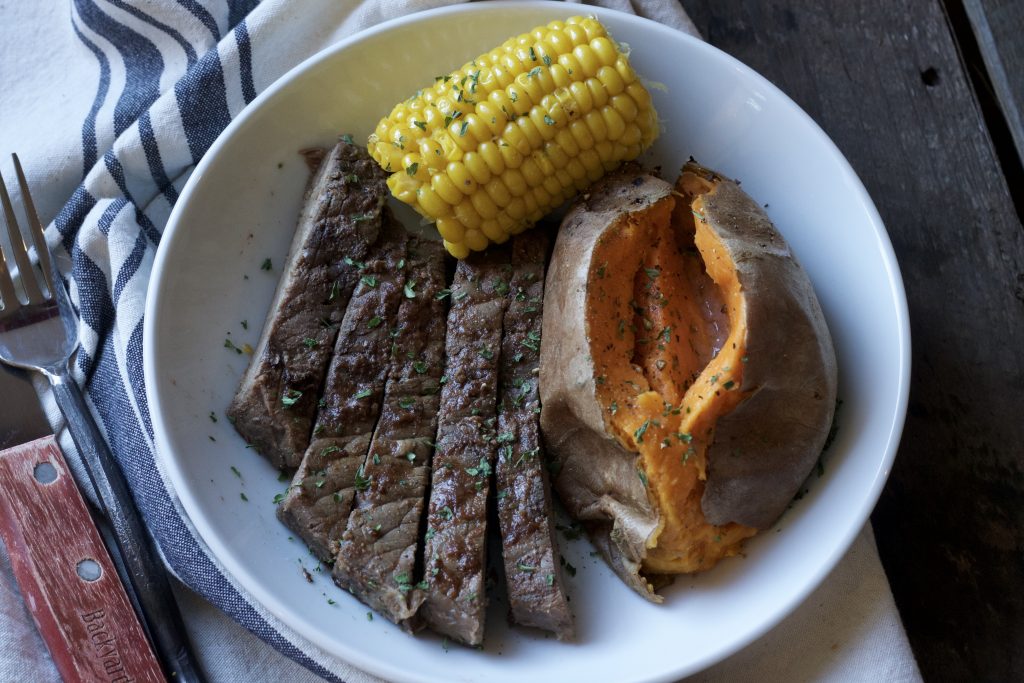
<point x="68" y="580"/>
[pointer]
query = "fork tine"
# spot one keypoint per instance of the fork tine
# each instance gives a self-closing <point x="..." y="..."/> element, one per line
<point x="28" y="278"/>
<point x="7" y="293"/>
<point x="34" y="226"/>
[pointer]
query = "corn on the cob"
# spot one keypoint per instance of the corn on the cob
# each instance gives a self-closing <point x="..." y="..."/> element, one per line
<point x="490" y="148"/>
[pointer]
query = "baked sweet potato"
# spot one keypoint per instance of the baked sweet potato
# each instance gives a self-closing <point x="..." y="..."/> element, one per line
<point x="687" y="376"/>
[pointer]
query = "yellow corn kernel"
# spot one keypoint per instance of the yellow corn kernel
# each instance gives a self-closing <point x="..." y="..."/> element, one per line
<point x="489" y="149"/>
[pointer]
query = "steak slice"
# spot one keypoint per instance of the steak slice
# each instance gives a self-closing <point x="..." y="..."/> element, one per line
<point x="377" y="557"/>
<point x="532" y="573"/>
<point x="275" y="403"/>
<point x="455" y="548"/>
<point x="318" y="502"/>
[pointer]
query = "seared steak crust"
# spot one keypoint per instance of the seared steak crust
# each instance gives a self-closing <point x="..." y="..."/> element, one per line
<point x="318" y="502"/>
<point x="455" y="548"/>
<point x="533" y="576"/>
<point x="377" y="557"/>
<point x="276" y="401"/>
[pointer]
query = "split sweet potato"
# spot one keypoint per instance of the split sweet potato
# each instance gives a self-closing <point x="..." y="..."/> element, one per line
<point x="688" y="378"/>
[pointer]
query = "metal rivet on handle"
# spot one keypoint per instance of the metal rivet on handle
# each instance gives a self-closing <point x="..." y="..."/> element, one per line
<point x="89" y="570"/>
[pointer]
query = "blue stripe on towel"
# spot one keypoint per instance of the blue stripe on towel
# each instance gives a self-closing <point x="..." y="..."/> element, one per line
<point x="245" y="61"/>
<point x="89" y="151"/>
<point x="142" y="64"/>
<point x="203" y="102"/>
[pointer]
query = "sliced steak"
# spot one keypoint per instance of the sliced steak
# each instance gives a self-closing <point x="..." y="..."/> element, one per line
<point x="455" y="548"/>
<point x="276" y="401"/>
<point x="376" y="561"/>
<point x="318" y="502"/>
<point x="532" y="572"/>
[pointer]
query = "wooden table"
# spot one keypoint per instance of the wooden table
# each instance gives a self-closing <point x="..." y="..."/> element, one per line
<point x="924" y="97"/>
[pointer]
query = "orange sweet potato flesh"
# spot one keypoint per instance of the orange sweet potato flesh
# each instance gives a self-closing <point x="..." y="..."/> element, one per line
<point x="647" y="371"/>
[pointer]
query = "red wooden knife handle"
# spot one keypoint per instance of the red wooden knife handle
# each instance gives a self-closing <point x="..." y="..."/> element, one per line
<point x="66" y="576"/>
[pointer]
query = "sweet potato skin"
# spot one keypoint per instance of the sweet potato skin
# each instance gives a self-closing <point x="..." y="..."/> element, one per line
<point x="595" y="476"/>
<point x="764" y="449"/>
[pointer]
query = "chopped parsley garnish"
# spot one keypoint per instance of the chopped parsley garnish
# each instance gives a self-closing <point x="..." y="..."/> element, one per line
<point x="363" y="393"/>
<point x="487" y="353"/>
<point x="548" y="120"/>
<point x="533" y="72"/>
<point x="375" y="321"/>
<point x="420" y="367"/>
<point x="549" y="579"/>
<point x="446" y="512"/>
<point x="643" y="476"/>
<point x="355" y="264"/>
<point x="310" y="343"/>
<point x="410" y="289"/>
<point x="422" y="125"/>
<point x="369" y="616"/>
<point x="481" y="470"/>
<point x="529" y="569"/>
<point x="359" y="217"/>
<point x="245" y="324"/>
<point x="464" y="127"/>
<point x="729" y="385"/>
<point x="412" y="168"/>
<point x="348" y="139"/>
<point x="278" y="498"/>
<point x="501" y="287"/>
<point x="267" y="265"/>
<point x="406" y="402"/>
<point x="213" y="418"/>
<point x="368" y="280"/>
<point x="290" y="397"/>
<point x="641" y="430"/>
<point x="442" y="294"/>
<point x="228" y="344"/>
<point x="652" y="273"/>
<point x="244" y="497"/>
<point x="547" y="60"/>
<point x="361" y="482"/>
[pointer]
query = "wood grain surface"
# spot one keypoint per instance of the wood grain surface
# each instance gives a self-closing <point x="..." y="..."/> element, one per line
<point x="87" y="623"/>
<point x="998" y="27"/>
<point x="885" y="81"/>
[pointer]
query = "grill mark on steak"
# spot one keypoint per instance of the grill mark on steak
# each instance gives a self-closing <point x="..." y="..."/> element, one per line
<point x="533" y="576"/>
<point x="455" y="543"/>
<point x="319" y="499"/>
<point x="376" y="560"/>
<point x="276" y="401"/>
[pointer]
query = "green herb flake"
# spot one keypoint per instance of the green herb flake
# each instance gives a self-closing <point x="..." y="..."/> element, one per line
<point x="410" y="289"/>
<point x="213" y="418"/>
<point x="228" y="344"/>
<point x="243" y="497"/>
<point x="422" y="125"/>
<point x="464" y="127"/>
<point x="652" y="273"/>
<point x="643" y="476"/>
<point x="446" y="513"/>
<point x="412" y="168"/>
<point x="729" y="385"/>
<point x="245" y="324"/>
<point x="267" y="265"/>
<point x="420" y="367"/>
<point x="310" y="343"/>
<point x="347" y="139"/>
<point x="641" y="430"/>
<point x="547" y="60"/>
<point x="369" y="280"/>
<point x="278" y="499"/>
<point x="529" y="569"/>
<point x="361" y="482"/>
<point x="406" y="402"/>
<point x="369" y="616"/>
<point x="549" y="579"/>
<point x="443" y="294"/>
<point x="614" y="407"/>
<point x="363" y="393"/>
<point x="375" y="321"/>
<point x="548" y="120"/>
<point x="290" y="397"/>
<point x="486" y="353"/>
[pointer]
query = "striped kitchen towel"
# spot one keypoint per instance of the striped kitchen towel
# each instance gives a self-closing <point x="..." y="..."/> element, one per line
<point x="110" y="104"/>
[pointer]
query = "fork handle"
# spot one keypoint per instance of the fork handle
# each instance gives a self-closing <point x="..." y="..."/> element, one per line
<point x="137" y="550"/>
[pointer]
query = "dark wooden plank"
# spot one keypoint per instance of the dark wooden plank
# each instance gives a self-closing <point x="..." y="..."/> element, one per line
<point x="884" y="80"/>
<point x="998" y="27"/>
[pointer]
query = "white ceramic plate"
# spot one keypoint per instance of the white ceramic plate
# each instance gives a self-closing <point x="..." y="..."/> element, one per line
<point x="239" y="208"/>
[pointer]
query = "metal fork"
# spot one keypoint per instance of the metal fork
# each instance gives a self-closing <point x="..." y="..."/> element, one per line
<point x="39" y="333"/>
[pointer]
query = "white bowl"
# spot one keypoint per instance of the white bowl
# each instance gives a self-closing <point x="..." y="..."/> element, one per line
<point x="239" y="208"/>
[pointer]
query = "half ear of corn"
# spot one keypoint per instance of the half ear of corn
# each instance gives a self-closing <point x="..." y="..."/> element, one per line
<point x="490" y="148"/>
